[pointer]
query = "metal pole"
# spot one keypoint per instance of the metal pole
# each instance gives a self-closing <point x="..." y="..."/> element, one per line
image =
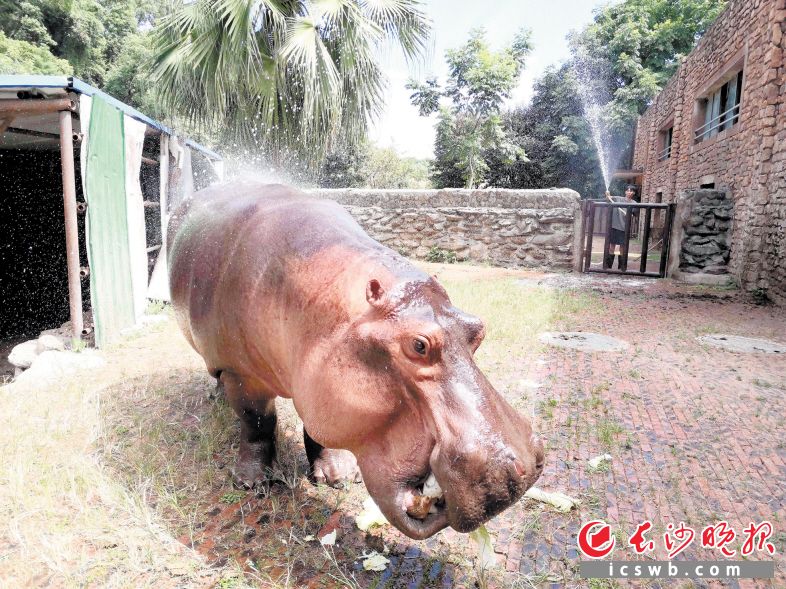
<point x="624" y="252"/>
<point x="72" y="235"/>
<point x="645" y="242"/>
<point x="163" y="187"/>
<point x="18" y="107"/>
<point x="665" y="250"/>
<point x="608" y="237"/>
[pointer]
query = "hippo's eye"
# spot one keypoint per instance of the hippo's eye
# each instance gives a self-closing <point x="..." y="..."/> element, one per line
<point x="420" y="346"/>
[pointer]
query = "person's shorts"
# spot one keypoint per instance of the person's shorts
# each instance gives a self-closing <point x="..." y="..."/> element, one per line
<point x="617" y="237"/>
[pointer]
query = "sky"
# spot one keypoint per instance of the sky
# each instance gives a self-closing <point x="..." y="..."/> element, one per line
<point x="550" y="22"/>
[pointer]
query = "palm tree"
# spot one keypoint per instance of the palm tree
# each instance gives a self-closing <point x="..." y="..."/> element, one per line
<point x="294" y="77"/>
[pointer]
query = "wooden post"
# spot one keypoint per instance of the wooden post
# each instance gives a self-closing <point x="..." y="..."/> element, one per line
<point x="72" y="232"/>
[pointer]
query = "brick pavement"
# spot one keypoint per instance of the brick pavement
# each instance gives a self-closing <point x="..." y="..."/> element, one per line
<point x="697" y="435"/>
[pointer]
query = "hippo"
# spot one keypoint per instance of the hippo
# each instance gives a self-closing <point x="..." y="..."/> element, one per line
<point x="284" y="295"/>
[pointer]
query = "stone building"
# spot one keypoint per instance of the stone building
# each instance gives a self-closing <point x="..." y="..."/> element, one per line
<point x="720" y="124"/>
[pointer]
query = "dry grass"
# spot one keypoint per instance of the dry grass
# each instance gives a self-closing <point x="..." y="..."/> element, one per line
<point x="103" y="474"/>
<point x="66" y="519"/>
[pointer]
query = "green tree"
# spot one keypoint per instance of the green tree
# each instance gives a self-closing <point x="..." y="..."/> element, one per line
<point x="384" y="167"/>
<point x="634" y="47"/>
<point x="368" y="166"/>
<point x="621" y="60"/>
<point x="553" y="131"/>
<point x="21" y="57"/>
<point x="343" y="167"/>
<point x="102" y="40"/>
<point x="480" y="79"/>
<point x="129" y="79"/>
<point x="296" y="78"/>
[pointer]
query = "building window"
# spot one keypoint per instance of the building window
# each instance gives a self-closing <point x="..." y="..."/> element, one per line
<point x="665" y="144"/>
<point x="721" y="109"/>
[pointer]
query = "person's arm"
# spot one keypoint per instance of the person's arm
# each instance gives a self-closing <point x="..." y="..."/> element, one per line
<point x="608" y="196"/>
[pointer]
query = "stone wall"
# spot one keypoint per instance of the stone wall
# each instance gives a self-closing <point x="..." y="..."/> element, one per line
<point x="748" y="159"/>
<point x="509" y="228"/>
<point x="705" y="232"/>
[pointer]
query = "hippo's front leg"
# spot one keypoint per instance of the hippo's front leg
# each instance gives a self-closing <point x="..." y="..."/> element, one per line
<point x="329" y="465"/>
<point x="257" y="412"/>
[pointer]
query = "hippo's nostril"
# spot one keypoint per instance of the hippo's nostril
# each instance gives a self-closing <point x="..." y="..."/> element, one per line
<point x="519" y="466"/>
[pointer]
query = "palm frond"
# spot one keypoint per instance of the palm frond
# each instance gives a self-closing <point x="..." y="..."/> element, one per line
<point x="292" y="76"/>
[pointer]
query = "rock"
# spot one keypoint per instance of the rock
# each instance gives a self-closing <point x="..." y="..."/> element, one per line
<point x="736" y="343"/>
<point x="23" y="354"/>
<point x="50" y="342"/>
<point x="583" y="341"/>
<point x="551" y="239"/>
<point x="478" y="251"/>
<point x="53" y="365"/>
<point x="702" y="250"/>
<point x="699" y="230"/>
<point x="716" y="269"/>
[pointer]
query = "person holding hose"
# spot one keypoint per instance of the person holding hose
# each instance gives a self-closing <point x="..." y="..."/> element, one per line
<point x="617" y="237"/>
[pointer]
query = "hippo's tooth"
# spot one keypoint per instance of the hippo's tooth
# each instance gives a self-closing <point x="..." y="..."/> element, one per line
<point x="431" y="487"/>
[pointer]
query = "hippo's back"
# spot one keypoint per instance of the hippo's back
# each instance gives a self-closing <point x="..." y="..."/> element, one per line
<point x="236" y="257"/>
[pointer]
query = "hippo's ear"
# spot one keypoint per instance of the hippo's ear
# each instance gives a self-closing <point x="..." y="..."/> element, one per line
<point x="375" y="293"/>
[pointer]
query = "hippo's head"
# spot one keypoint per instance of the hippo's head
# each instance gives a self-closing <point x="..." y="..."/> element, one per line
<point x="424" y="408"/>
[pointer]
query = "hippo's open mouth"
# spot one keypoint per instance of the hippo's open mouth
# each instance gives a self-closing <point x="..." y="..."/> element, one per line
<point x="423" y="507"/>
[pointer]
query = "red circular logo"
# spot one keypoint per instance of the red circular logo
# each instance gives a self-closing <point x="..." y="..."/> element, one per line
<point x="595" y="539"/>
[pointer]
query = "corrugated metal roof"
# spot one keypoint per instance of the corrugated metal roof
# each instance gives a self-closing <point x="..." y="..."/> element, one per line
<point x="72" y="84"/>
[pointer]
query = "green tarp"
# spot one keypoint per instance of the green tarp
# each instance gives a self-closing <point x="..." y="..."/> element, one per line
<point x="111" y="292"/>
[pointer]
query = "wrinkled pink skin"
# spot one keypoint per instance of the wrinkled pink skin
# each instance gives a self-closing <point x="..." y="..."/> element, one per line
<point x="287" y="296"/>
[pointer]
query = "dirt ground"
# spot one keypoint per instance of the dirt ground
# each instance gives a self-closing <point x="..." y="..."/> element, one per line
<point x="696" y="435"/>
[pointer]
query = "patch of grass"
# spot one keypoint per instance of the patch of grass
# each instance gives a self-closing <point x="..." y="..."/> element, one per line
<point x="514" y="316"/>
<point x="232" y="497"/>
<point x="531" y="523"/>
<point x="602" y="468"/>
<point x="607" y="430"/>
<point x="603" y="584"/>
<point x="441" y="256"/>
<point x="547" y="408"/>
<point x="760" y="296"/>
<point x="600" y="388"/>
<point x="156" y="307"/>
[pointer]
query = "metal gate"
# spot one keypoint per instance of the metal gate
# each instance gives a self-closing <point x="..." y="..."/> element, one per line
<point x="645" y="247"/>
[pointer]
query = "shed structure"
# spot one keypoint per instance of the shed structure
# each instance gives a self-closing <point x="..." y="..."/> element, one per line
<point x="85" y="187"/>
